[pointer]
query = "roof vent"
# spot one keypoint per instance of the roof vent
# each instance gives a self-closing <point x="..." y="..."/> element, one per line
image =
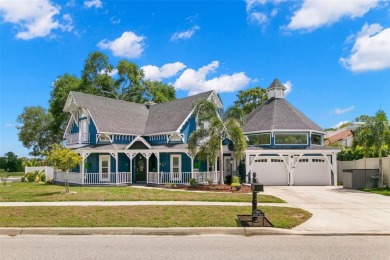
<point x="149" y="104"/>
<point x="276" y="89"/>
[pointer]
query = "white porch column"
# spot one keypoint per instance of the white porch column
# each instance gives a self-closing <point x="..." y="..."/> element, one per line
<point x="247" y="167"/>
<point x="335" y="170"/>
<point x="116" y="167"/>
<point x="158" y="167"/>
<point x="84" y="156"/>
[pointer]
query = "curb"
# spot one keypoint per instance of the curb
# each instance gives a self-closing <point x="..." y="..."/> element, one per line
<point x="242" y="231"/>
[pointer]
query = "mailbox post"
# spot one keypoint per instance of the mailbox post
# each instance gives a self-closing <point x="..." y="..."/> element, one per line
<point x="256" y="187"/>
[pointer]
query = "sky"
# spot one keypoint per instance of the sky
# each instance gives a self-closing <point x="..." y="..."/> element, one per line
<point x="333" y="56"/>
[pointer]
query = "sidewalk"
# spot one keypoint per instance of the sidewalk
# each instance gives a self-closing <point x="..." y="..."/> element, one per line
<point x="136" y="203"/>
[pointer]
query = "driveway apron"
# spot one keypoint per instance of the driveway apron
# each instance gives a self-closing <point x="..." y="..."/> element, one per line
<point x="336" y="209"/>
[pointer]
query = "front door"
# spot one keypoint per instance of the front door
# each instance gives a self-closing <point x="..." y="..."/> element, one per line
<point x="140" y="168"/>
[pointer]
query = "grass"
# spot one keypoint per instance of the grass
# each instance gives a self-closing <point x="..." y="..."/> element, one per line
<point x="143" y="216"/>
<point x="382" y="191"/>
<point x="39" y="192"/>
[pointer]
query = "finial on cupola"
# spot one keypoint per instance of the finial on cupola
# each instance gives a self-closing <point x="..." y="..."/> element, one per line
<point x="276" y="89"/>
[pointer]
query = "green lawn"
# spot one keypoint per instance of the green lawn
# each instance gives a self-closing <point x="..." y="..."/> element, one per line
<point x="382" y="191"/>
<point x="38" y="192"/>
<point x="143" y="216"/>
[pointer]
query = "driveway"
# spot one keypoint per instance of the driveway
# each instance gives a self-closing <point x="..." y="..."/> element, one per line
<point x="336" y="209"/>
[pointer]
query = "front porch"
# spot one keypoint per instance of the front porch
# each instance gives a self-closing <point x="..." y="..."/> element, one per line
<point x="125" y="178"/>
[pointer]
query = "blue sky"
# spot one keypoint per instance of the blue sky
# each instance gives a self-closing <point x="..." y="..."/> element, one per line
<point x="334" y="56"/>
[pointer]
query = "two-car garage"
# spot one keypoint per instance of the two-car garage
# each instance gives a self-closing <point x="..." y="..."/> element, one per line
<point x="304" y="170"/>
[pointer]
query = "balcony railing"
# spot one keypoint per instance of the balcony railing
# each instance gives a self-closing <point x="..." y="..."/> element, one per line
<point x="94" y="178"/>
<point x="182" y="177"/>
<point x="78" y="138"/>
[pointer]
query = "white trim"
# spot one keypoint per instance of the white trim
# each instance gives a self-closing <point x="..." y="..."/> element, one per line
<point x="284" y="130"/>
<point x="101" y="158"/>
<point x="139" y="138"/>
<point x="176" y="134"/>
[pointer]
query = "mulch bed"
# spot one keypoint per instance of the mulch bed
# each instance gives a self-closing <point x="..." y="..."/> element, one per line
<point x="216" y="188"/>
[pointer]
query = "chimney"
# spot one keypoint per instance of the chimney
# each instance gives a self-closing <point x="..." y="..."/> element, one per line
<point x="149" y="104"/>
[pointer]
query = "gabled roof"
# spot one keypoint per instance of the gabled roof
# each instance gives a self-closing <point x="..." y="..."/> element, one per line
<point x="278" y="114"/>
<point x="113" y="115"/>
<point x="169" y="116"/>
<point x="123" y="117"/>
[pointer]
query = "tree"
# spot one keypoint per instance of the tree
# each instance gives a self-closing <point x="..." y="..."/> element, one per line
<point x="159" y="92"/>
<point x="58" y="96"/>
<point x="12" y="163"/>
<point x="374" y="135"/>
<point x="207" y="141"/>
<point x="35" y="129"/>
<point x="95" y="76"/>
<point x="251" y="98"/>
<point x="129" y="83"/>
<point x="63" y="159"/>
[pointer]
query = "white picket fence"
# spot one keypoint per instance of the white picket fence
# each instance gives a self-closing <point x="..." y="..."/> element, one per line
<point x="182" y="177"/>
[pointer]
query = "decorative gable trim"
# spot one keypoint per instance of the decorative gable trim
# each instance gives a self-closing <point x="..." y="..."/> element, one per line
<point x="139" y="138"/>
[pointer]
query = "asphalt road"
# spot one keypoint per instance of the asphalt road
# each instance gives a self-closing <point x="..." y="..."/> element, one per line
<point x="194" y="247"/>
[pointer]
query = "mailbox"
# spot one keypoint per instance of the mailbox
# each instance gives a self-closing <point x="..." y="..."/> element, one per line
<point x="256" y="187"/>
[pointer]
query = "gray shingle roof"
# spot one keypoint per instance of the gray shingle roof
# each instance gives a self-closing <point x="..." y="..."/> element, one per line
<point x="167" y="117"/>
<point x="276" y="84"/>
<point x="278" y="113"/>
<point x="113" y="115"/>
<point x="118" y="116"/>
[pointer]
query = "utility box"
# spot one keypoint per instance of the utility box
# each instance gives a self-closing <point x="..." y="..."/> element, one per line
<point x="256" y="187"/>
<point x="360" y="178"/>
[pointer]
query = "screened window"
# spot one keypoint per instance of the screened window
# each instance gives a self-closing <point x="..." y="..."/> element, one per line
<point x="316" y="139"/>
<point x="259" y="139"/>
<point x="291" y="138"/>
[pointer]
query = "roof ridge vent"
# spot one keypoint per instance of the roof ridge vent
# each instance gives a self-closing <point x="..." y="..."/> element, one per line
<point x="276" y="89"/>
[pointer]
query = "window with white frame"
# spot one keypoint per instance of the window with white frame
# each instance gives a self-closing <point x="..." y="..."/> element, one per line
<point x="259" y="139"/>
<point x="291" y="138"/>
<point x="104" y="138"/>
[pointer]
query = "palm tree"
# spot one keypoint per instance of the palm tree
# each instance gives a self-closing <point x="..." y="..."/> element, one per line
<point x="374" y="134"/>
<point x="206" y="142"/>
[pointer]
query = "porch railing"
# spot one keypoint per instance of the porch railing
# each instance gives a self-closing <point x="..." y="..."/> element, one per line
<point x="182" y="177"/>
<point x="94" y="178"/>
<point x="77" y="138"/>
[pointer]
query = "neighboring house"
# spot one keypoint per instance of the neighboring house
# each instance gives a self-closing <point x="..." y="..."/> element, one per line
<point x="123" y="142"/>
<point x="285" y="147"/>
<point x="343" y="137"/>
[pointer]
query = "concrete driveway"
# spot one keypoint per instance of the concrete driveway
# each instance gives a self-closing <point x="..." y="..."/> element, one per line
<point x="337" y="210"/>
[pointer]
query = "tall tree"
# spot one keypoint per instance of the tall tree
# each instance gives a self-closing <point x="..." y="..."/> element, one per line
<point x="129" y="83"/>
<point x="13" y="163"/>
<point x="96" y="78"/>
<point x="58" y="96"/>
<point x="207" y="141"/>
<point x="159" y="92"/>
<point x="35" y="129"/>
<point x="63" y="159"/>
<point x="251" y="98"/>
<point x="374" y="134"/>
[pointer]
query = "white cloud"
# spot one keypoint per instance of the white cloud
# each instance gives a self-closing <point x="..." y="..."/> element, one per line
<point x="195" y="81"/>
<point x="339" y="124"/>
<point x="129" y="45"/>
<point x="112" y="73"/>
<point x="115" y="20"/>
<point x="93" y="3"/>
<point x="34" y="18"/>
<point x="371" y="50"/>
<point x="314" y="14"/>
<point x="185" y="35"/>
<point x="288" y="86"/>
<point x="9" y="125"/>
<point x="340" y="111"/>
<point x="257" y="17"/>
<point x="166" y="71"/>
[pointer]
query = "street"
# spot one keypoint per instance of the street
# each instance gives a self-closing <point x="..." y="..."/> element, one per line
<point x="194" y="247"/>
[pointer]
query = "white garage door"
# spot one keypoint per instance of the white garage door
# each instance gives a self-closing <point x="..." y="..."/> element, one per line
<point x="312" y="171"/>
<point x="270" y="170"/>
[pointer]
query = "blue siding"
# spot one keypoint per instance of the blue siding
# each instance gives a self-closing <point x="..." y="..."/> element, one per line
<point x="123" y="163"/>
<point x="165" y="158"/>
<point x="74" y="129"/>
<point x="123" y="139"/>
<point x="92" y="132"/>
<point x="156" y="140"/>
<point x="188" y="128"/>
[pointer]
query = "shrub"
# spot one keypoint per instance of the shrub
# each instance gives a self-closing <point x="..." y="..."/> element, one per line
<point x="30" y="176"/>
<point x="193" y="182"/>
<point x="228" y="179"/>
<point x="23" y="179"/>
<point x="35" y="176"/>
<point x="3" y="176"/>
<point x="236" y="179"/>
<point x="49" y="182"/>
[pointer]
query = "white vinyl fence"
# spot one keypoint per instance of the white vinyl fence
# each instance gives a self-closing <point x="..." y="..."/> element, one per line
<point x="48" y="171"/>
<point x="365" y="163"/>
